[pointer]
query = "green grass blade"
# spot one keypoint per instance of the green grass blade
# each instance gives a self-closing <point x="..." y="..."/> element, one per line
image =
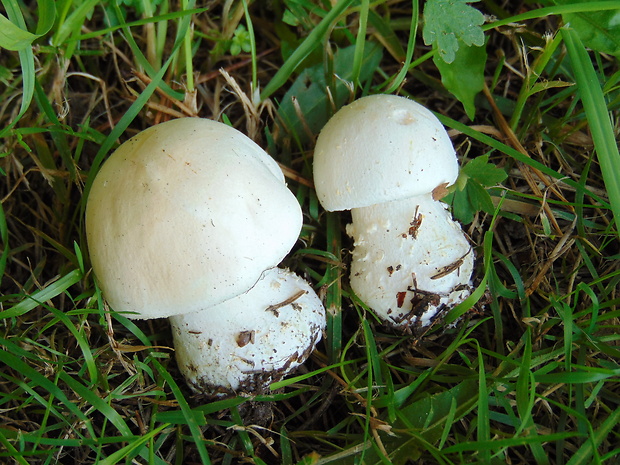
<point x="495" y="444"/>
<point x="12" y="37"/>
<point x="41" y="381"/>
<point x="360" y="41"/>
<point x="250" y="26"/>
<point x="13" y="33"/>
<point x="43" y="295"/>
<point x="73" y="23"/>
<point x="333" y="301"/>
<point x="13" y="453"/>
<point x="597" y="114"/>
<point x="554" y="10"/>
<point x="413" y="31"/>
<point x="126" y="120"/>
<point x="194" y="427"/>
<point x="120" y="454"/>
<point x="4" y="237"/>
<point x="484" y="425"/>
<point x="82" y="342"/>
<point x="314" y="39"/>
<point x="98" y="403"/>
<point x="26" y="62"/>
<point x="491" y="142"/>
<point x="162" y="18"/>
<point x="588" y="449"/>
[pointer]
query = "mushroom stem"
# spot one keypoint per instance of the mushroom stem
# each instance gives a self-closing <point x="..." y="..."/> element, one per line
<point x="247" y="342"/>
<point x="411" y="260"/>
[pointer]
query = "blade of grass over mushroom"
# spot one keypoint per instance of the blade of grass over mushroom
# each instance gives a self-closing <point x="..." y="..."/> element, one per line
<point x="597" y="114"/>
<point x="299" y="378"/>
<point x="313" y="40"/>
<point x="460" y="309"/>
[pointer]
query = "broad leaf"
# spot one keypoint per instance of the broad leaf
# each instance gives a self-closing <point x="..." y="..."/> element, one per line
<point x="598" y="30"/>
<point x="464" y="76"/>
<point x="484" y="172"/>
<point x="449" y="23"/>
<point x="471" y="195"/>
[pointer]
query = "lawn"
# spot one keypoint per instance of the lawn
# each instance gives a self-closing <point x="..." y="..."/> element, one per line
<point x="525" y="371"/>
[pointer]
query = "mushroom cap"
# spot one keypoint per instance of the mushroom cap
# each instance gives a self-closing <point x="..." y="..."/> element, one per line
<point x="252" y="340"/>
<point x="381" y="148"/>
<point x="185" y="215"/>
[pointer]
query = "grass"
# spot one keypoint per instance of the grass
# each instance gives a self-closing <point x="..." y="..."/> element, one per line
<point x="530" y="372"/>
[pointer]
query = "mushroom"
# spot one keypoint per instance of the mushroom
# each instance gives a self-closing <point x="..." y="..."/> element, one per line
<point x="188" y="219"/>
<point x="384" y="157"/>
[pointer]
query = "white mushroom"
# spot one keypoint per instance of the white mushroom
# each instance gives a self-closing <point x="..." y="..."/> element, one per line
<point x="188" y="215"/>
<point x="383" y="156"/>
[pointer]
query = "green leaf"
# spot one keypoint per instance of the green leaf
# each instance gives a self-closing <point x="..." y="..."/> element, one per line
<point x="464" y="75"/>
<point x="462" y="209"/>
<point x="598" y="30"/>
<point x="471" y="196"/>
<point x="448" y="23"/>
<point x="479" y="197"/>
<point x="15" y="37"/>
<point x="484" y="172"/>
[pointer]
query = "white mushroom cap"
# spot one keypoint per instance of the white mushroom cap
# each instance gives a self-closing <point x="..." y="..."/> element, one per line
<point x="185" y="215"/>
<point x="378" y="149"/>
<point x="252" y="340"/>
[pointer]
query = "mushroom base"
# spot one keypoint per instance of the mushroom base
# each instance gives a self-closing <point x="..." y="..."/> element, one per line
<point x="411" y="261"/>
<point x="248" y="342"/>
